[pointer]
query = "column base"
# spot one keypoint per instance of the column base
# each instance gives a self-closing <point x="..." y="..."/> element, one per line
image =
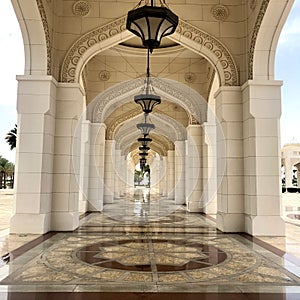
<point x="108" y="199"/>
<point x="180" y="200"/>
<point x="170" y="197"/>
<point x="83" y="206"/>
<point x="64" y="221"/>
<point x="265" y="225"/>
<point x="95" y="206"/>
<point x="30" y="223"/>
<point x="193" y="207"/>
<point x="230" y="222"/>
<point x="211" y="207"/>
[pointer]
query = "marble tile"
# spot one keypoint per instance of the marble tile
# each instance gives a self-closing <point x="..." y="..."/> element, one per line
<point x="170" y="251"/>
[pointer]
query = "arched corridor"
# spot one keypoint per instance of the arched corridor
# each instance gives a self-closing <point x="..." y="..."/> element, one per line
<point x="213" y="159"/>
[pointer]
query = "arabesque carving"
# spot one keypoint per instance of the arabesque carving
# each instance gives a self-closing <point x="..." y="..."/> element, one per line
<point x="215" y="47"/>
<point x="85" y="42"/>
<point x="47" y="35"/>
<point x="121" y="92"/>
<point x="257" y="25"/>
<point x="111" y="129"/>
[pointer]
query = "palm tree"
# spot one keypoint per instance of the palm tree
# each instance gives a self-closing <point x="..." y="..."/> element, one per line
<point x="6" y="171"/>
<point x="10" y="172"/>
<point x="11" y="137"/>
<point x="3" y="165"/>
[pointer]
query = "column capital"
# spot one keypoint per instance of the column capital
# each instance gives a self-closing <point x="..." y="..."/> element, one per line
<point x="36" y="78"/>
<point x="36" y="94"/>
<point x="262" y="83"/>
<point x="69" y="85"/>
<point x="223" y="89"/>
<point x="100" y="125"/>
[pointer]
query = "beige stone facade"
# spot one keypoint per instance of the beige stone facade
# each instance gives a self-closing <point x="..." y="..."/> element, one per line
<point x="215" y="147"/>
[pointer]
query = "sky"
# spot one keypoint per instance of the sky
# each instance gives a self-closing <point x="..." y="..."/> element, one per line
<point x="287" y="68"/>
<point x="12" y="64"/>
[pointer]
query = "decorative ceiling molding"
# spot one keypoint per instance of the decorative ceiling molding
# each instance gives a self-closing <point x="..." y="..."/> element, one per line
<point x="88" y="40"/>
<point x="47" y="35"/>
<point x="252" y="4"/>
<point x="164" y="127"/>
<point x="212" y="49"/>
<point x="119" y="94"/>
<point x="220" y="12"/>
<point x="81" y="8"/>
<point x="112" y="33"/>
<point x="179" y="129"/>
<point x="162" y="140"/>
<point x="112" y="128"/>
<point x="259" y="19"/>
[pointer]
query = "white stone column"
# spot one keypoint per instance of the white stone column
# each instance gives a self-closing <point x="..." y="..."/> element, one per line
<point x="179" y="172"/>
<point x="160" y="175"/>
<point x="123" y="177"/>
<point x="171" y="174"/>
<point x="117" y="173"/>
<point x="34" y="156"/>
<point x="84" y="166"/>
<point x="109" y="173"/>
<point x="96" y="166"/>
<point x="194" y="175"/>
<point x="164" y="176"/>
<point x="288" y="168"/>
<point x="187" y="166"/>
<point x="210" y="168"/>
<point x="69" y="107"/>
<point x="130" y="174"/>
<point x="262" y="110"/>
<point x="154" y="173"/>
<point x="230" y="159"/>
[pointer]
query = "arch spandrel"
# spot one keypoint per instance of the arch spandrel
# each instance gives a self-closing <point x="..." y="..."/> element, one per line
<point x="115" y="32"/>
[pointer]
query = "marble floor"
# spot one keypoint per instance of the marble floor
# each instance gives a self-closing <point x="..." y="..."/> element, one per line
<point x="146" y="247"/>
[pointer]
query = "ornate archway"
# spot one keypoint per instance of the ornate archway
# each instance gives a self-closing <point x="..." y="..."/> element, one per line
<point x="115" y="32"/>
<point x="172" y="90"/>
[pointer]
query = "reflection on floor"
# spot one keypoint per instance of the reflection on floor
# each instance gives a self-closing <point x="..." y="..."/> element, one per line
<point x="150" y="246"/>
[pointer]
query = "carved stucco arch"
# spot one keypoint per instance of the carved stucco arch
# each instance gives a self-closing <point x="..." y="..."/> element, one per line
<point x="269" y="23"/>
<point x="115" y="32"/>
<point x="190" y="100"/>
<point x="129" y="133"/>
<point x="135" y="116"/>
<point x="113" y="128"/>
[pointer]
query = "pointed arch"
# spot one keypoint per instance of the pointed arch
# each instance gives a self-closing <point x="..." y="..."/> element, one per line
<point x="174" y="91"/>
<point x="266" y="32"/>
<point x="35" y="32"/>
<point x="115" y="32"/>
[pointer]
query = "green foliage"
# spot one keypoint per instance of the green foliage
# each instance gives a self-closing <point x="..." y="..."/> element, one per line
<point x="11" y="137"/>
<point x="6" y="172"/>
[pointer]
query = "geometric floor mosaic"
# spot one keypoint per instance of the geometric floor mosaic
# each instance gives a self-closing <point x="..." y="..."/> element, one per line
<point x="104" y="254"/>
<point x="148" y="246"/>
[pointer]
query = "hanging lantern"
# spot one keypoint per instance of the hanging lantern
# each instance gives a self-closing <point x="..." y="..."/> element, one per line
<point x="145" y="127"/>
<point x="152" y="23"/>
<point x="144" y="141"/>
